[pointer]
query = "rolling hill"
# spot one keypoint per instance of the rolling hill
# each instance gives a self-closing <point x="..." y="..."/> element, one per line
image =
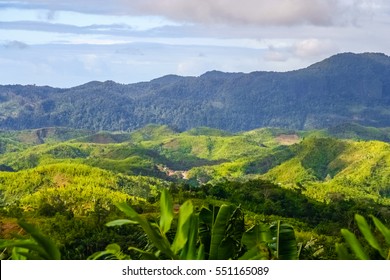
<point x="67" y="182"/>
<point x="314" y="162"/>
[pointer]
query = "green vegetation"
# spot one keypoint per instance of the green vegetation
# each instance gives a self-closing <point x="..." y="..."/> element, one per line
<point x="240" y="190"/>
<point x="369" y="236"/>
<point x="343" y="88"/>
<point x="216" y="233"/>
<point x="37" y="247"/>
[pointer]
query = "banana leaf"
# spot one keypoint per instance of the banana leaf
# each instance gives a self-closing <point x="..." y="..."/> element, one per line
<point x="218" y="233"/>
<point x="158" y="240"/>
<point x="354" y="244"/>
<point x="284" y="242"/>
<point x="166" y="209"/>
<point x="183" y="227"/>
<point x="368" y="235"/>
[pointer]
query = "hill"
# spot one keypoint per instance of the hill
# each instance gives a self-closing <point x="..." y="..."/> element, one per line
<point x="316" y="162"/>
<point x="343" y="88"/>
<point x="69" y="182"/>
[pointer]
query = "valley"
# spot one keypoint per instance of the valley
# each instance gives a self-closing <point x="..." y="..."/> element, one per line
<point x="68" y="182"/>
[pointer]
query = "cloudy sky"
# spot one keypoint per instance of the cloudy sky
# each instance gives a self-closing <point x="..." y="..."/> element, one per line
<point x="67" y="43"/>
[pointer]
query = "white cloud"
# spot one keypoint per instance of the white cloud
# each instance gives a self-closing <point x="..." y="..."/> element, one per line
<point x="134" y="40"/>
<point x="90" y="62"/>
<point x="230" y="12"/>
<point x="274" y="55"/>
<point x="257" y="12"/>
<point x="314" y="48"/>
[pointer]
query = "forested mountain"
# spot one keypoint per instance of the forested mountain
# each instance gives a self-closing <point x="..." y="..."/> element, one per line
<point x="343" y="88"/>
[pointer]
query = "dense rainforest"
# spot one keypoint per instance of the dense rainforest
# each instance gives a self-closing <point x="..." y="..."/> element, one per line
<point x="343" y="88"/>
<point x="160" y="193"/>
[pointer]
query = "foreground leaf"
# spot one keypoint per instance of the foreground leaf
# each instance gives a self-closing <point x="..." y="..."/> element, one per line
<point x="255" y="240"/>
<point x="166" y="208"/>
<point x="159" y="241"/>
<point x="121" y="222"/>
<point x="342" y="252"/>
<point x="218" y="231"/>
<point x="51" y="251"/>
<point x="382" y="228"/>
<point x="112" y="251"/>
<point x="285" y="243"/>
<point x="183" y="226"/>
<point x="354" y="244"/>
<point x="368" y="235"/>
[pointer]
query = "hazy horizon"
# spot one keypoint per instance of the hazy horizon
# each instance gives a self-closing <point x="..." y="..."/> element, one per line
<point x="65" y="44"/>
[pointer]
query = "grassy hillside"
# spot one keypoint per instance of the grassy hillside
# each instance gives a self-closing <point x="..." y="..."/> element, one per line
<point x="315" y="161"/>
<point x="324" y="167"/>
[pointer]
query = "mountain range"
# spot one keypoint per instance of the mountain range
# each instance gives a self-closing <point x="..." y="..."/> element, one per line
<point x="341" y="89"/>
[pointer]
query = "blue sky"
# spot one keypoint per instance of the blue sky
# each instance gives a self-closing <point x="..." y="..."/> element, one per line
<point x="67" y="43"/>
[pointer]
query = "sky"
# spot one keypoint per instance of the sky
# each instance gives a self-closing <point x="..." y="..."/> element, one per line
<point x="68" y="43"/>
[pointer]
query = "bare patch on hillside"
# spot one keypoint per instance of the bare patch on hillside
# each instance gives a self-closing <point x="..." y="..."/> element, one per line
<point x="8" y="228"/>
<point x="288" y="139"/>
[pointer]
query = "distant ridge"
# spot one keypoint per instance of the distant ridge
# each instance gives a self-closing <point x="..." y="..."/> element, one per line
<point x="344" y="88"/>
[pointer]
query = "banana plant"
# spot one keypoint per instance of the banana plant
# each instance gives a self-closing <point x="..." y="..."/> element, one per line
<point x="221" y="229"/>
<point x="356" y="246"/>
<point x="283" y="243"/>
<point x="184" y="243"/>
<point x="271" y="242"/>
<point x="256" y="241"/>
<point x="214" y="233"/>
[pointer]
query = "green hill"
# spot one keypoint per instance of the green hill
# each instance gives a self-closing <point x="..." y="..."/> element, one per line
<point x="69" y="184"/>
<point x="74" y="187"/>
<point x="325" y="167"/>
<point x="314" y="161"/>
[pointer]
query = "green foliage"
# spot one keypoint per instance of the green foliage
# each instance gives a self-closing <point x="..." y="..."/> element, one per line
<point x="279" y="238"/>
<point x="64" y="199"/>
<point x="359" y="132"/>
<point x="183" y="237"/>
<point x="345" y="87"/>
<point x="166" y="210"/>
<point x="73" y="187"/>
<point x="255" y="239"/>
<point x="323" y="167"/>
<point x="369" y="237"/>
<point x="209" y="234"/>
<point x="225" y="241"/>
<point x="157" y="234"/>
<point x="320" y="166"/>
<point x="37" y="246"/>
<point x="151" y="132"/>
<point x="319" y="153"/>
<point x="69" y="187"/>
<point x="284" y="243"/>
<point x="112" y="251"/>
<point x="67" y="151"/>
